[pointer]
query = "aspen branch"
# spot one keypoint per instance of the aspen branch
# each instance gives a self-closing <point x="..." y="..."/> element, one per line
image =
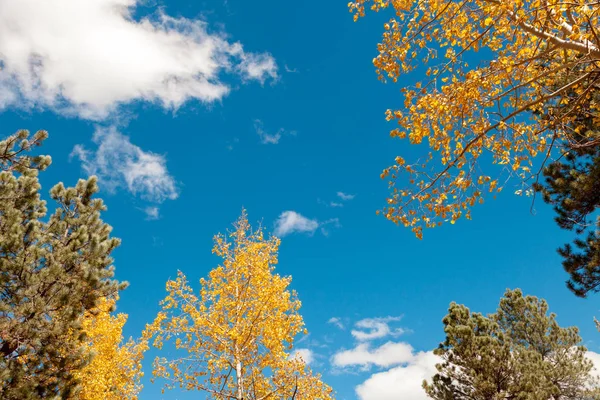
<point x="583" y="48"/>
<point x="482" y="134"/>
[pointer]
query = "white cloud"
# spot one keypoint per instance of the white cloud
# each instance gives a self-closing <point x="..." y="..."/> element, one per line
<point x="291" y="222"/>
<point x="332" y="221"/>
<point x="345" y="196"/>
<point x="336" y="321"/>
<point x="269" y="138"/>
<point x="86" y="58"/>
<point x="119" y="163"/>
<point x="330" y="204"/>
<point x="152" y="213"/>
<point x="386" y="355"/>
<point x="265" y="137"/>
<point x="595" y="358"/>
<point x="258" y="67"/>
<point x="375" y="328"/>
<point x="306" y="355"/>
<point x="402" y="382"/>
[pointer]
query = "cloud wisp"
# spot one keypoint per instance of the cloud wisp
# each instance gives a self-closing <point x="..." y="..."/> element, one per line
<point x="270" y="138"/>
<point x="118" y="163"/>
<point x="152" y="213"/>
<point x="290" y="222"/>
<point x="346" y="196"/>
<point x="86" y="58"/>
<point x="376" y="328"/>
<point x="364" y="356"/>
<point x="336" y="321"/>
<point x="343" y="198"/>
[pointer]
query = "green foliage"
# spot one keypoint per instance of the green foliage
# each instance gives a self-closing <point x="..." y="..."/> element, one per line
<point x="572" y="186"/>
<point x="519" y="352"/>
<point x="51" y="271"/>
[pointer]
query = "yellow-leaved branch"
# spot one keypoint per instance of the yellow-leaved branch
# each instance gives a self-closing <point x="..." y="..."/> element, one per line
<point x="115" y="369"/>
<point x="536" y="73"/>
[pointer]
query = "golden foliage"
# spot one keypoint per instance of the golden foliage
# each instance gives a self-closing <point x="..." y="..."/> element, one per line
<point x="115" y="370"/>
<point x="235" y="336"/>
<point x="539" y="55"/>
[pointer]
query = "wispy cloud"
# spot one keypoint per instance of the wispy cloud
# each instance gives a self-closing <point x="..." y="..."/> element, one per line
<point x="325" y="225"/>
<point x="231" y="144"/>
<point x="118" y="163"/>
<point x="345" y="196"/>
<point x="336" y="321"/>
<point x="363" y="355"/>
<point x="292" y="222"/>
<point x="152" y="213"/>
<point x="257" y="67"/>
<point x="333" y="204"/>
<point x="86" y="58"/>
<point x="270" y="138"/>
<point x="376" y="328"/>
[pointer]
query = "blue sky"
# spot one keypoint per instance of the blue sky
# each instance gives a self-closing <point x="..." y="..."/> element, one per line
<point x="185" y="127"/>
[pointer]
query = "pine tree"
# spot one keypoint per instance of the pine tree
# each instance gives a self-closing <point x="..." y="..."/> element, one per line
<point x="232" y="341"/>
<point x="572" y="186"/>
<point x="51" y="271"/>
<point x="519" y="352"/>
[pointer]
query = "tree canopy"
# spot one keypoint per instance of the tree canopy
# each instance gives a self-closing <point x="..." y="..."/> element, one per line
<point x="115" y="370"/>
<point x="52" y="270"/>
<point x="534" y="56"/>
<point x="233" y="339"/>
<point x="518" y="352"/>
<point x="572" y="186"/>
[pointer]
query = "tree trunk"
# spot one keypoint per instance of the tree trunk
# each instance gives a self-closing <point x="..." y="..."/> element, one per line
<point x="240" y="378"/>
